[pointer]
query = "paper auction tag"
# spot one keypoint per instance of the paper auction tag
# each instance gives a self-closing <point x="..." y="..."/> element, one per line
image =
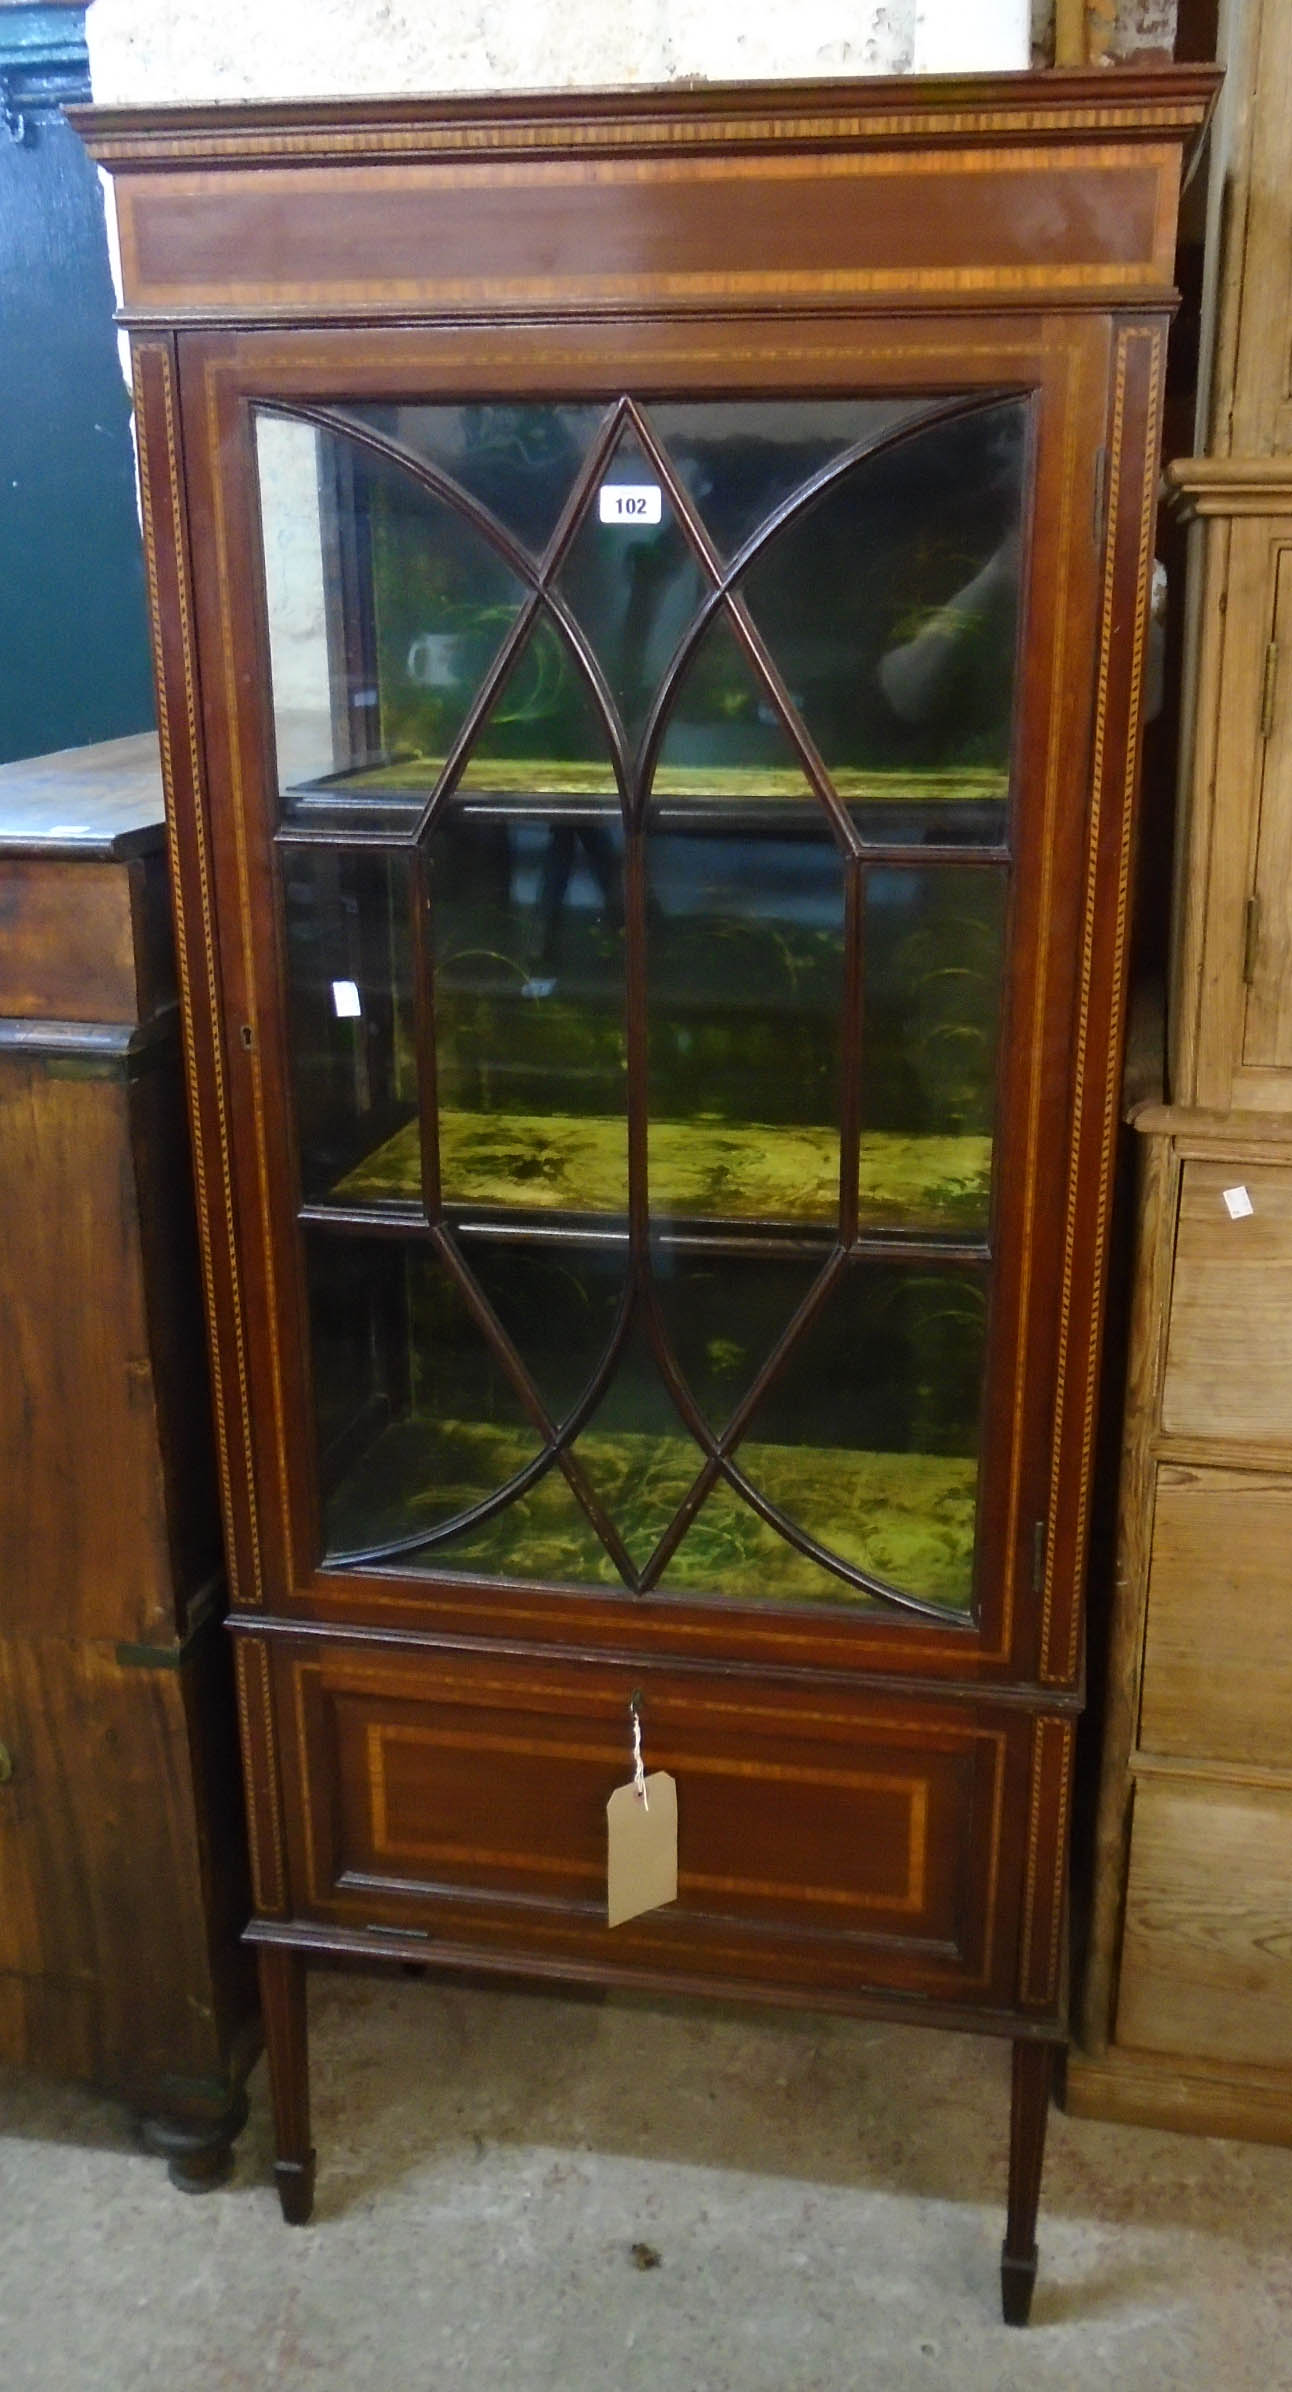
<point x="1238" y="1204"/>
<point x="641" y="1865"/>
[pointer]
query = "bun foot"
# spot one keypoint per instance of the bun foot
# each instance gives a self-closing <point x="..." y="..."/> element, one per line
<point x="198" y="2151"/>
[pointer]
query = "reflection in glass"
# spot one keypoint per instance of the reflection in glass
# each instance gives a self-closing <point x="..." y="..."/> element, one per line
<point x="633" y="586"/>
<point x="890" y="605"/>
<point x="518" y="461"/>
<point x="417" y="1420"/>
<point x="529" y="1009"/>
<point x="385" y="609"/>
<point x="868" y="1440"/>
<point x="724" y="735"/>
<point x="745" y="971"/>
<point x="740" y="459"/>
<point x="636" y="1451"/>
<point x="559" y="1308"/>
<point x="933" y="950"/>
<point x="724" y="1315"/>
<point x="349" y="971"/>
<point x="542" y="732"/>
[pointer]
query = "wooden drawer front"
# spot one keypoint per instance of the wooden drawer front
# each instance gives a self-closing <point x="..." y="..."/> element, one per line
<point x="84" y="941"/>
<point x="821" y="1840"/>
<point x="67" y="949"/>
<point x="1207" y="1952"/>
<point x="1229" y="1354"/>
<point x="1218" y="1653"/>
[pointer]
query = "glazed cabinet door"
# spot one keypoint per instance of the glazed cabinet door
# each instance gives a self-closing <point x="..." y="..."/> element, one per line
<point x="657" y="838"/>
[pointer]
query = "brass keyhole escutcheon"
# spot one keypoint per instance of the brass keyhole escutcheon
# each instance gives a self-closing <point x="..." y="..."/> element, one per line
<point x="6" y="1764"/>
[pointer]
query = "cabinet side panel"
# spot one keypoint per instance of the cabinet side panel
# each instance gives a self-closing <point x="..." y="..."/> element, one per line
<point x="99" y="1857"/>
<point x="1133" y="442"/>
<point x="83" y="1525"/>
<point x="1267" y="1026"/>
<point x="188" y="832"/>
<point x="1155" y="1238"/>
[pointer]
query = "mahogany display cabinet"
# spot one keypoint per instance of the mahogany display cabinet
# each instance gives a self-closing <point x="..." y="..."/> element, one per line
<point x="650" y="595"/>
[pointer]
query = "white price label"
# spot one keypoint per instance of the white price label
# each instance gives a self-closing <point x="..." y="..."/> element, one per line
<point x="345" y="997"/>
<point x="1238" y="1204"/>
<point x="630" y="502"/>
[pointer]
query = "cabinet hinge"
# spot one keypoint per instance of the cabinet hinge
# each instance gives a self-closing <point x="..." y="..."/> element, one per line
<point x="1251" y="938"/>
<point x="1269" y="686"/>
<point x="1100" y="520"/>
<point x="1038" y="1556"/>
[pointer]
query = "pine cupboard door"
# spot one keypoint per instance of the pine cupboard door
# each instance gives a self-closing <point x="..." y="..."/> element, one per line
<point x="668" y="968"/>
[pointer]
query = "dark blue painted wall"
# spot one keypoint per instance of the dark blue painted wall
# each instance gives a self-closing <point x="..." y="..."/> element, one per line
<point x="73" y="639"/>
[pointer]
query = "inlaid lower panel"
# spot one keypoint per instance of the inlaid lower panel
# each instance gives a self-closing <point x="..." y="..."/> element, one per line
<point x="821" y="1839"/>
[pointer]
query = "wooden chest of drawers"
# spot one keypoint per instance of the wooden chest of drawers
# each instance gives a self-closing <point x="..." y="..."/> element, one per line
<point x="121" y="1837"/>
<point x="1186" y="2015"/>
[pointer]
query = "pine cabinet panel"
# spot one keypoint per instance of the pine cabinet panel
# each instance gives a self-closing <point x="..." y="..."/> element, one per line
<point x="1207" y="1953"/>
<point x="1184" y="1993"/>
<point x="1229" y="1360"/>
<point x="1218" y="1646"/>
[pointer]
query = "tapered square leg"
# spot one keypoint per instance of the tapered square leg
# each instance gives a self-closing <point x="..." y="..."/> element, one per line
<point x="1028" y="2115"/>
<point x="282" y="2001"/>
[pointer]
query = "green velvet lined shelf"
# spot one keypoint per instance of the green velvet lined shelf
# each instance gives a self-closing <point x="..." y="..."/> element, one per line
<point x="904" y="1517"/>
<point x="529" y="776"/>
<point x="745" y="1171"/>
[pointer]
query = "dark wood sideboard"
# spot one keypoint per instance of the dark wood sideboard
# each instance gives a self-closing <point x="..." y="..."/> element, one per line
<point x="122" y="1837"/>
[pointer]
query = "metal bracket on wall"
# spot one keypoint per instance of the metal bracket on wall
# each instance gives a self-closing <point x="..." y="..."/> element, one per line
<point x="43" y="63"/>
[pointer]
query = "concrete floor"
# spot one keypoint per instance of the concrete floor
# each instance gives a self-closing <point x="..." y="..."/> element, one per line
<point x="825" y="2199"/>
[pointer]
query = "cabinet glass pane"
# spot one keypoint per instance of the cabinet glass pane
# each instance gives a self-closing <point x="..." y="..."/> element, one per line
<point x="867" y="1443"/>
<point x="354" y="1067"/>
<point x="933" y="947"/>
<point x="890" y="605"/>
<point x="740" y="460"/>
<point x="385" y="608"/>
<point x="694" y="1090"/>
<point x="724" y="736"/>
<point x="725" y="1315"/>
<point x="418" y="1423"/>
<point x="528" y="930"/>
<point x="519" y="463"/>
<point x="745" y="964"/>
<point x="542" y="733"/>
<point x="633" y="585"/>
